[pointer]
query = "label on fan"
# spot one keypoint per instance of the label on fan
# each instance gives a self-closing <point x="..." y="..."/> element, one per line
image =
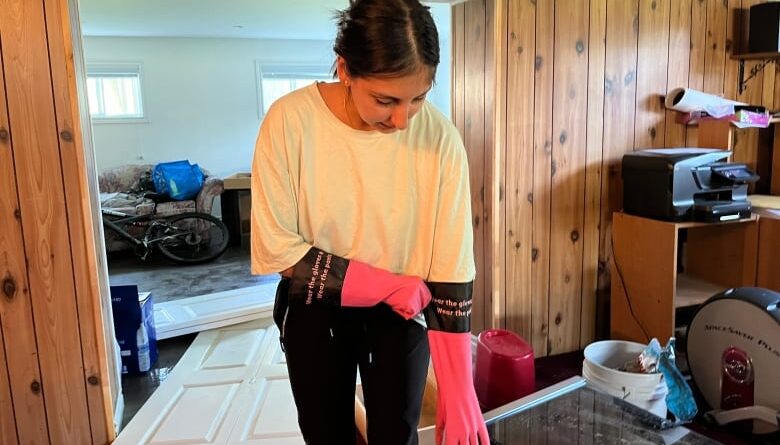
<point x="737" y="381"/>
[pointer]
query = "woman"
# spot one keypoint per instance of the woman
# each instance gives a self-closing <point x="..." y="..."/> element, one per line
<point x="360" y="198"/>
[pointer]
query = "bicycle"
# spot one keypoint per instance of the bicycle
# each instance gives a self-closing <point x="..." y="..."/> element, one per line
<point x="186" y="238"/>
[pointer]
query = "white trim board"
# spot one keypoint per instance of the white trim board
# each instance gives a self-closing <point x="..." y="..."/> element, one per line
<point x="119" y="412"/>
<point x="196" y="314"/>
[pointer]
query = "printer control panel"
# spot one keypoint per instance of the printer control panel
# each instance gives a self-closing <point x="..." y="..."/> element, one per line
<point x="738" y="173"/>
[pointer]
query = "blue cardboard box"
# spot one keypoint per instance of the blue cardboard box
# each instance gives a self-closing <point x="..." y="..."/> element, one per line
<point x="134" y="326"/>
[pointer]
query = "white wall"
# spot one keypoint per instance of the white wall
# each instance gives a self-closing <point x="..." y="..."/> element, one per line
<point x="200" y="95"/>
<point x="442" y="89"/>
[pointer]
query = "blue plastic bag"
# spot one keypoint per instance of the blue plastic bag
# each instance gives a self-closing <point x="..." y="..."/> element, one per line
<point x="679" y="400"/>
<point x="178" y="179"/>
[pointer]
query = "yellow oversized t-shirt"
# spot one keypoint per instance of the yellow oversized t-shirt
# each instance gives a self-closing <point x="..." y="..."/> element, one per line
<point x="396" y="201"/>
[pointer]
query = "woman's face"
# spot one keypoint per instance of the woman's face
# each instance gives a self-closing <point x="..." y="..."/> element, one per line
<point x="387" y="104"/>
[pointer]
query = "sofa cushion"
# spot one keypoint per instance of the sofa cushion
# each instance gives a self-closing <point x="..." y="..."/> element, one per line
<point x="175" y="207"/>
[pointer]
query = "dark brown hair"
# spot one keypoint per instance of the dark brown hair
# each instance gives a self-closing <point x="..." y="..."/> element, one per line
<point x="387" y="38"/>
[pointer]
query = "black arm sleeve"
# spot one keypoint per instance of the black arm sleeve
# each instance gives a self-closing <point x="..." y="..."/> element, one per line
<point x="317" y="278"/>
<point x="450" y="308"/>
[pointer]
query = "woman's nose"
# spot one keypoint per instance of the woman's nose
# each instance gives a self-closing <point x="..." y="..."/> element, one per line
<point x="400" y="116"/>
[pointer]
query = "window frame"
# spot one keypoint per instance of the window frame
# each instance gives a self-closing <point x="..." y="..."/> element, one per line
<point x="266" y="70"/>
<point x="109" y="69"/>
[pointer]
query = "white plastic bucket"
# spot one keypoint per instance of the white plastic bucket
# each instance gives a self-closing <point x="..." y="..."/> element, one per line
<point x="602" y="358"/>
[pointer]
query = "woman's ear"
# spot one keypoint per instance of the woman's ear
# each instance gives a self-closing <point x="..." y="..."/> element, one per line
<point x="342" y="71"/>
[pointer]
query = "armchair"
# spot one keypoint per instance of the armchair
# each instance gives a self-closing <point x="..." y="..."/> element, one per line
<point x="125" y="178"/>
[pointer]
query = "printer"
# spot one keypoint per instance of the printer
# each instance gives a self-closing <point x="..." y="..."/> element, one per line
<point x="684" y="184"/>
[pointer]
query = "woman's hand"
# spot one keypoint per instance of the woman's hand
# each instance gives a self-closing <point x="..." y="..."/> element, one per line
<point x="406" y="294"/>
<point x="459" y="420"/>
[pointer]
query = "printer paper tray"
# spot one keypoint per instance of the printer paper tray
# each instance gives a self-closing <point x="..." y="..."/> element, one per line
<point x="715" y="211"/>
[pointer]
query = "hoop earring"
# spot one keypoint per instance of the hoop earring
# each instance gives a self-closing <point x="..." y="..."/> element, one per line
<point x="348" y="98"/>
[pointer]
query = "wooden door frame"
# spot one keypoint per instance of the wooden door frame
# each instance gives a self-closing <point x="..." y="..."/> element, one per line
<point x="83" y="212"/>
<point x="59" y="370"/>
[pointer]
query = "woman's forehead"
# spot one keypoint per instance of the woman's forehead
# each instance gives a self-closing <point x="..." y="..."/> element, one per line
<point x="402" y="87"/>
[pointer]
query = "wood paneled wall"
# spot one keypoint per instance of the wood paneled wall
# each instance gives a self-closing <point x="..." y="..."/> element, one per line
<point x="548" y="95"/>
<point x="54" y="375"/>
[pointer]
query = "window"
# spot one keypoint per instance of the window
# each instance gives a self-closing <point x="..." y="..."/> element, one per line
<point x="115" y="92"/>
<point x="274" y="82"/>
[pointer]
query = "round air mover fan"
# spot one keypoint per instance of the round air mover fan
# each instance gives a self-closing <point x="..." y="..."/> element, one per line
<point x="733" y="345"/>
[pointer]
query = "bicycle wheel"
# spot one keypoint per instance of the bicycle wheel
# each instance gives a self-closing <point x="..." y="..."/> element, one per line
<point x="191" y="238"/>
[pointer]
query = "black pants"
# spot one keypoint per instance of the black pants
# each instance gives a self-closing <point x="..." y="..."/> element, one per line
<point x="325" y="346"/>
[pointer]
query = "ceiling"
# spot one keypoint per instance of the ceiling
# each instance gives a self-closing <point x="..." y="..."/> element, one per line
<point x="258" y="19"/>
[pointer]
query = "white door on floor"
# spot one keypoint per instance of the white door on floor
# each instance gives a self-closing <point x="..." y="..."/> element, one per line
<point x="230" y="387"/>
<point x="195" y="314"/>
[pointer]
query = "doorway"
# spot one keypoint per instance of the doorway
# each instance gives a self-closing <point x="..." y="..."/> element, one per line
<point x="191" y="80"/>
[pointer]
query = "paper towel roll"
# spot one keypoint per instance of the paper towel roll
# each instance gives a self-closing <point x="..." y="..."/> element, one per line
<point x="687" y="100"/>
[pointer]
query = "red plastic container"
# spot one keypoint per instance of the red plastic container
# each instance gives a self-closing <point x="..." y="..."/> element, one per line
<point x="504" y="368"/>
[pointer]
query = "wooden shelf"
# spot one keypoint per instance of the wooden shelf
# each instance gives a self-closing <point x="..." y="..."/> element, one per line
<point x="646" y="289"/>
<point x="693" y="224"/>
<point x="693" y="291"/>
<point x="772" y="120"/>
<point x="756" y="56"/>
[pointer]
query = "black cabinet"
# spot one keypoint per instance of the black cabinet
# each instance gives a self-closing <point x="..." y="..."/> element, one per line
<point x="236" y="208"/>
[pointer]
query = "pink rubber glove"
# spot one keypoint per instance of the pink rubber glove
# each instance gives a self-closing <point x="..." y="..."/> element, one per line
<point x="366" y="286"/>
<point x="459" y="420"/>
<point x="324" y="278"/>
